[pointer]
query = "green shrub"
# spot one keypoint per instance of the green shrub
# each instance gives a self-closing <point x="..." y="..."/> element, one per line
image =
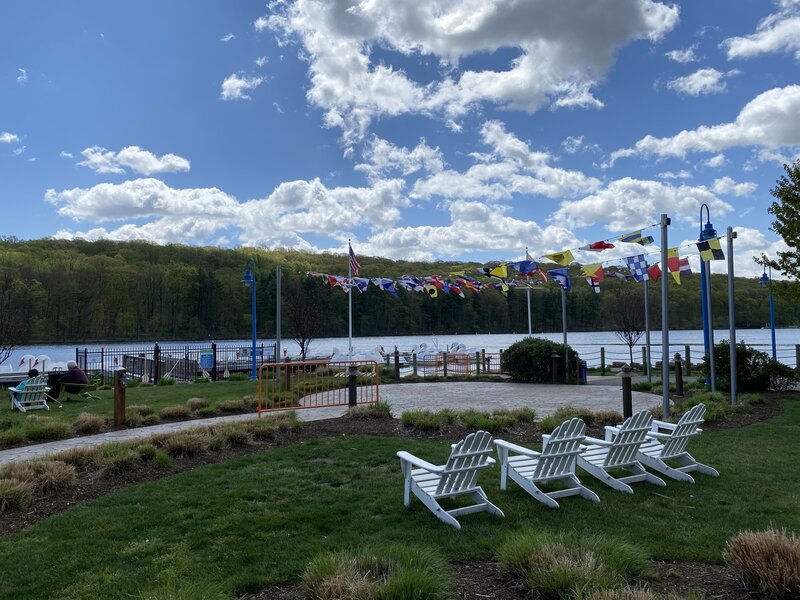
<point x="12" y="437"/>
<point x="202" y="380"/>
<point x="178" y="411"/>
<point x="568" y="565"/>
<point x="549" y="423"/>
<point x="133" y="419"/>
<point x="607" y="417"/>
<point x="530" y="359"/>
<point x="79" y="457"/>
<point x="427" y="420"/>
<point x="44" y="477"/>
<point x="751" y="399"/>
<point x="165" y="380"/>
<point x="717" y="406"/>
<point x="767" y="561"/>
<point x="207" y="411"/>
<point x="231" y="406"/>
<point x="146" y="452"/>
<point x="250" y="402"/>
<point x="140" y="409"/>
<point x="756" y="370"/>
<point x="14" y="495"/>
<point x="187" y="443"/>
<point x="781" y="377"/>
<point x="379" y="410"/>
<point x="196" y="403"/>
<point x="230" y="435"/>
<point x="114" y="458"/>
<point x="132" y="383"/>
<point x="393" y="573"/>
<point x="151" y="420"/>
<point x="88" y="424"/>
<point x="162" y="459"/>
<point x="38" y="428"/>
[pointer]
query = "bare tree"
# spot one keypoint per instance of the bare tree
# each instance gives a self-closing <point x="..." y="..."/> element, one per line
<point x="304" y="314"/>
<point x="629" y="320"/>
<point x="10" y="322"/>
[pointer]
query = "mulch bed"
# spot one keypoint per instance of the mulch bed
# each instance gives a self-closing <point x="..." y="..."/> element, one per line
<point x="477" y="579"/>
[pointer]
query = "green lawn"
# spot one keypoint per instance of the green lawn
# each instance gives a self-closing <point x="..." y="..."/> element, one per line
<point x="225" y="529"/>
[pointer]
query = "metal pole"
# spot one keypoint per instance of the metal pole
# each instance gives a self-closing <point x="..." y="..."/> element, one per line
<point x="564" y="326"/>
<point x="772" y="316"/>
<point x="711" y="359"/>
<point x="253" y="374"/>
<point x="647" y="331"/>
<point x="277" y="313"/>
<point x="627" y="396"/>
<point x="665" y="221"/>
<point x="732" y="319"/>
<point x="349" y="309"/>
<point x="530" y="330"/>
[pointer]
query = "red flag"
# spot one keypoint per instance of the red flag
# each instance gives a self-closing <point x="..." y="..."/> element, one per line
<point x="654" y="271"/>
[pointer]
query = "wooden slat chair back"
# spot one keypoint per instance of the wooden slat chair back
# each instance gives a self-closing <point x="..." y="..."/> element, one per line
<point x="671" y="446"/>
<point x="619" y="451"/>
<point x="457" y="477"/>
<point x="555" y="463"/>
<point x="32" y="396"/>
<point x="627" y="440"/>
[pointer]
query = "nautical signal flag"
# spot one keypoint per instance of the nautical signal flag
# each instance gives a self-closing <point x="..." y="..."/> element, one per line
<point x="638" y="267"/>
<point x="595" y="285"/>
<point x="597" y="246"/>
<point x="654" y="272"/>
<point x="595" y="271"/>
<point x="432" y="290"/>
<point x="525" y="267"/>
<point x="710" y="250"/>
<point x="562" y="258"/>
<point x="636" y="237"/>
<point x="500" y="271"/>
<point x="561" y="277"/>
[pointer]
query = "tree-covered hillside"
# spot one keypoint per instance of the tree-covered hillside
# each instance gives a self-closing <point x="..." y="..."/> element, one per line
<point x="77" y="291"/>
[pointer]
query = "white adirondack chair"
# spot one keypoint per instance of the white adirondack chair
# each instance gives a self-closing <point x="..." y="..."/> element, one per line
<point x="32" y="396"/>
<point x="661" y="447"/>
<point x="458" y="477"/>
<point x="555" y="463"/>
<point x="618" y="451"/>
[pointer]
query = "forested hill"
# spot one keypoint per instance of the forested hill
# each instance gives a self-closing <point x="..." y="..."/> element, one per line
<point x="77" y="291"/>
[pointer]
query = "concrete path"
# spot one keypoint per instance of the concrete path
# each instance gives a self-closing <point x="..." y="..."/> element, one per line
<point x="542" y="398"/>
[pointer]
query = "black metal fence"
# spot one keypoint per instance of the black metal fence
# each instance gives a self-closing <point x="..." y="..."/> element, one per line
<point x="181" y="363"/>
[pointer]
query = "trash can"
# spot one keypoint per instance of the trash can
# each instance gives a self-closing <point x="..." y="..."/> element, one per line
<point x="582" y="371"/>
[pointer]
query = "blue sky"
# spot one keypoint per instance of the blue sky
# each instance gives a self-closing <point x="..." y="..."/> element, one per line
<point x="437" y="130"/>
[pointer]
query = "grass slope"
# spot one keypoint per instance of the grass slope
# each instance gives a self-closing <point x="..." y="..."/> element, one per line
<point x="225" y="529"/>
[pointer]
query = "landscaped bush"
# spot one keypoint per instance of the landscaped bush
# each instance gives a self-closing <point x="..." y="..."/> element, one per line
<point x="43" y="476"/>
<point x="767" y="561"/>
<point x="146" y="452"/>
<point x="266" y="429"/>
<point x="88" y="424"/>
<point x="207" y="411"/>
<point x="187" y="444"/>
<point x="635" y="593"/>
<point x="114" y="458"/>
<point x="549" y="423"/>
<point x="607" y="417"/>
<point x="196" y="403"/>
<point x="757" y="371"/>
<point x="238" y="377"/>
<point x="530" y="359"/>
<point x="231" y="406"/>
<point x="166" y="380"/>
<point x="379" y="410"/>
<point x="179" y="411"/>
<point x="427" y="420"/>
<point x="228" y="436"/>
<point x="14" y="495"/>
<point x="569" y="566"/>
<point x="37" y="428"/>
<point x="140" y="409"/>
<point x="394" y="573"/>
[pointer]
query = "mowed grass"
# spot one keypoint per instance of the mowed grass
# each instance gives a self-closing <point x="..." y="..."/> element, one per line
<point x="226" y="529"/>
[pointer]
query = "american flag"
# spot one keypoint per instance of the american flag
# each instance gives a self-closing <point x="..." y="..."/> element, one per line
<point x="355" y="266"/>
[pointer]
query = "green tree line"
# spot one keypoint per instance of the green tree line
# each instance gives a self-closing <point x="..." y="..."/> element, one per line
<point x="78" y="291"/>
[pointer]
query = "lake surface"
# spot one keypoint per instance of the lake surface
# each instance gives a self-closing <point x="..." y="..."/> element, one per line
<point x="587" y="344"/>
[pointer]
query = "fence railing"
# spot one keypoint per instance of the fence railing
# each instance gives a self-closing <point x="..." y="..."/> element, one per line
<point x="181" y="363"/>
<point x="317" y="384"/>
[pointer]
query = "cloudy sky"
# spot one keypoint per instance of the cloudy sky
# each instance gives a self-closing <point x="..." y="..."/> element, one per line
<point x="444" y="129"/>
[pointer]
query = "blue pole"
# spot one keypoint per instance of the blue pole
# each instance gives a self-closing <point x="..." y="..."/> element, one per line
<point x="253" y="375"/>
<point x="707" y="232"/>
<point x="772" y="316"/>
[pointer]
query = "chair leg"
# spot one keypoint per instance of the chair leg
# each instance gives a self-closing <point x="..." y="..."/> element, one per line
<point x="659" y="465"/>
<point x="583" y="490"/>
<point x="600" y="474"/>
<point x="646" y="476"/>
<point x="688" y="459"/>
<point x="530" y="487"/>
<point x="480" y="498"/>
<point x="433" y="506"/>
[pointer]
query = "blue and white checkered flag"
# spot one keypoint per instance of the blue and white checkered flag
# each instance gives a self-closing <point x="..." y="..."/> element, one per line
<point x="638" y="267"/>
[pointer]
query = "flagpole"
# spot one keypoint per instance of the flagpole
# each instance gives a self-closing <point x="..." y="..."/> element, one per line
<point x="665" y="223"/>
<point x="647" y="331"/>
<point x="564" y="326"/>
<point x="349" y="304"/>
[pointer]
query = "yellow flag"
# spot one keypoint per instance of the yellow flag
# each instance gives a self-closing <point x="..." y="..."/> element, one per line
<point x="431" y="289"/>
<point x="562" y="258"/>
<point x="501" y="271"/>
<point x="591" y="270"/>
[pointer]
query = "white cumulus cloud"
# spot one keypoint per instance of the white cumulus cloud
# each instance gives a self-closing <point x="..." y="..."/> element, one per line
<point x="22" y="78"/>
<point x="771" y="120"/>
<point x="8" y="138"/>
<point x="564" y="48"/>
<point x="778" y="32"/>
<point x="683" y="55"/>
<point x="726" y="185"/>
<point x="234" y="86"/>
<point x="136" y="159"/>
<point x="702" y="81"/>
<point x="227" y="37"/>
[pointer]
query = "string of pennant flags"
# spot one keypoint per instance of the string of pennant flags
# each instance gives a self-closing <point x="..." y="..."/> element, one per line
<point x="501" y="277"/>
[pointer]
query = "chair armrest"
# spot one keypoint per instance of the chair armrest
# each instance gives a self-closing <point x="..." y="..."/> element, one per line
<point x="597" y="441"/>
<point x="13" y="389"/>
<point x="418" y="462"/>
<point x="663" y="425"/>
<point x="516" y="448"/>
<point x="611" y="431"/>
<point x="655" y="435"/>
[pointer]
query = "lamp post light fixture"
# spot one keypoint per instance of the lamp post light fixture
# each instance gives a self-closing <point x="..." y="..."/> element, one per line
<point x="707" y="232"/>
<point x="767" y="280"/>
<point x="249" y="280"/>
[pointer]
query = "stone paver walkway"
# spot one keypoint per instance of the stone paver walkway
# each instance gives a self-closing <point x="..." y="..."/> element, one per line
<point x="542" y="398"/>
